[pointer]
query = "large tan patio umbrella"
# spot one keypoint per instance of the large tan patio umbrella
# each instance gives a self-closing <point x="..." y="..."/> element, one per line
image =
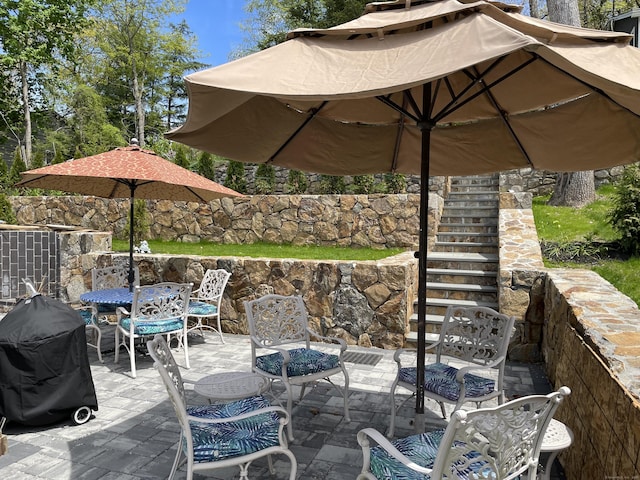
<point x="438" y="87"/>
<point x="126" y="172"/>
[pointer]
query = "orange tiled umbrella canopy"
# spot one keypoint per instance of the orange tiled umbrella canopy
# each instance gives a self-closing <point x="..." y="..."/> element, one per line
<point x="126" y="172"/>
<point x="114" y="173"/>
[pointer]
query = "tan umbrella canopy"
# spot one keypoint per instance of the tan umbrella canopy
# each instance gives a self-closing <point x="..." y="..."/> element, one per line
<point x="442" y="87"/>
<point x="126" y="172"/>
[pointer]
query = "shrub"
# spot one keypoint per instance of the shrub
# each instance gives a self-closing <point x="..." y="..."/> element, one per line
<point x="265" y="179"/>
<point x="6" y="212"/>
<point x="363" y="184"/>
<point x="331" y="184"/>
<point x="205" y="165"/>
<point x="625" y="214"/>
<point x="235" y="179"/>
<point x="141" y="222"/>
<point x="297" y="182"/>
<point x="396" y="182"/>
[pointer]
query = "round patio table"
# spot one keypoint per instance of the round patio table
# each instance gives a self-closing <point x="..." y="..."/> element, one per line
<point x="228" y="386"/>
<point x="118" y="297"/>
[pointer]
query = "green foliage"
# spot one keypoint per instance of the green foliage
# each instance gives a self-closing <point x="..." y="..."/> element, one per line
<point x="332" y="184"/>
<point x="141" y="222"/>
<point x="363" y="184"/>
<point x="297" y="182"/>
<point x="181" y="157"/>
<point x="6" y="212"/>
<point x="625" y="214"/>
<point x="235" y="179"/>
<point x="265" y="182"/>
<point x="37" y="160"/>
<point x="205" y="166"/>
<point x="17" y="167"/>
<point x="58" y="157"/>
<point x="4" y="172"/>
<point x="395" y="182"/>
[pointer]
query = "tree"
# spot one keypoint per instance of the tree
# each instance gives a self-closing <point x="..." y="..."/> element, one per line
<point x="181" y="157"/>
<point x="296" y="182"/>
<point x="34" y="36"/>
<point x="572" y="189"/>
<point x="205" y="166"/>
<point x="265" y="179"/>
<point x="133" y="51"/>
<point x="235" y="179"/>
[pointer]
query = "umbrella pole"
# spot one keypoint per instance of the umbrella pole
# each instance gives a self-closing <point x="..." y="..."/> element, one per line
<point x="131" y="277"/>
<point x="425" y="127"/>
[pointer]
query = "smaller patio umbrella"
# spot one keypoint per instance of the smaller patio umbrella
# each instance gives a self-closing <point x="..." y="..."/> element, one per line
<point x="126" y="172"/>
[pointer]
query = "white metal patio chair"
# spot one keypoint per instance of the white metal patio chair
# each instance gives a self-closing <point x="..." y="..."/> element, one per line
<point x="476" y="340"/>
<point x="498" y="443"/>
<point x="280" y="324"/>
<point x="156" y="309"/>
<point x="89" y="314"/>
<point x="221" y="435"/>
<point x="206" y="301"/>
<point x="114" y="276"/>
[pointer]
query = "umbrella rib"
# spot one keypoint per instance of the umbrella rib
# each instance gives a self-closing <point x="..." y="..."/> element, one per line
<point x="505" y="119"/>
<point x="390" y="103"/>
<point x="314" y="114"/>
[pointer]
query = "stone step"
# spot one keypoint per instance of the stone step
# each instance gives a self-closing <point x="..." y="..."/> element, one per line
<point x="467" y="228"/>
<point x="466" y="247"/>
<point x="465" y="221"/>
<point x="466" y="287"/>
<point x="438" y="306"/>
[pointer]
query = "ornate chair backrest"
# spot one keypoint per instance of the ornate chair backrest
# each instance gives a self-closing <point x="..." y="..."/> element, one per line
<point x="171" y="377"/>
<point x="476" y="334"/>
<point x="500" y="443"/>
<point x="115" y="276"/>
<point x="277" y="319"/>
<point x="162" y="301"/>
<point x="213" y="284"/>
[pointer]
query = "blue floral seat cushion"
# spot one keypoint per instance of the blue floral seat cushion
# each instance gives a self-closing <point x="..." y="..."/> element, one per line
<point x="86" y="316"/>
<point x="441" y="380"/>
<point x="202" y="308"/>
<point x="151" y="328"/>
<point x="303" y="362"/>
<point x="422" y="450"/>
<point x="215" y="442"/>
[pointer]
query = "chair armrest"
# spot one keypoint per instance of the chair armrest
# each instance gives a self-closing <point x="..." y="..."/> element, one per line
<point x="335" y="340"/>
<point x="121" y="311"/>
<point x="477" y="368"/>
<point x="282" y="351"/>
<point x="284" y="416"/>
<point x="363" y="440"/>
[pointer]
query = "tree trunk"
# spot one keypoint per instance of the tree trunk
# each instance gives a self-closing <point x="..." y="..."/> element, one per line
<point x="571" y="189"/>
<point x="575" y="189"/>
<point x="26" y="153"/>
<point x="533" y="9"/>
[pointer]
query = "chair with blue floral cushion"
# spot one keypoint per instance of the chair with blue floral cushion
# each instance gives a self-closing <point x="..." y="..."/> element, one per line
<point x="206" y="301"/>
<point x="221" y="435"/>
<point x="472" y="339"/>
<point x="113" y="276"/>
<point x="498" y="443"/>
<point x="279" y="324"/>
<point x="89" y="314"/>
<point x="156" y="309"/>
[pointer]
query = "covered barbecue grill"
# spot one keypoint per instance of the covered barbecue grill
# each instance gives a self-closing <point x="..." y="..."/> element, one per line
<point x="45" y="375"/>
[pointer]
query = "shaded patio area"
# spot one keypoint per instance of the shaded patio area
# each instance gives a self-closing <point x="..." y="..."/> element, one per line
<point x="134" y="432"/>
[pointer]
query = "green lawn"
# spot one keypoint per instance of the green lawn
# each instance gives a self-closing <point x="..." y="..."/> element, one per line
<point x="263" y="250"/>
<point x="582" y="238"/>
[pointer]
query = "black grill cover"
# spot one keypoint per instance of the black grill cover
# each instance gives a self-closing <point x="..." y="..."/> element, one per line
<point x="44" y="368"/>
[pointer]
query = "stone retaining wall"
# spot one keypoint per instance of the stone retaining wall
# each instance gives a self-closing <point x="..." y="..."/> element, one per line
<point x="366" y="303"/>
<point x="586" y="332"/>
<point x="377" y="221"/>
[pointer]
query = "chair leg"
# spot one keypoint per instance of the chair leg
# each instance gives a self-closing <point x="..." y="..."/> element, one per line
<point x="98" y="342"/>
<point x="185" y="346"/>
<point x="294" y="462"/>
<point x="117" y="341"/>
<point x="176" y="460"/>
<point x="132" y="355"/>
<point x="220" y="330"/>
<point x="289" y="409"/>
<point x="392" y="402"/>
<point x="345" y="394"/>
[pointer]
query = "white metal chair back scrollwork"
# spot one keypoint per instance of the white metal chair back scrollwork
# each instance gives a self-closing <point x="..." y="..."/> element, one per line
<point x="115" y="276"/>
<point x="156" y="309"/>
<point x="500" y="443"/>
<point x="277" y="321"/>
<point x="221" y="435"/>
<point x="477" y="338"/>
<point x="206" y="302"/>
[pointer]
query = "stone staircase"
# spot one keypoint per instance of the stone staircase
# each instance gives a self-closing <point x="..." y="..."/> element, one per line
<point x="462" y="268"/>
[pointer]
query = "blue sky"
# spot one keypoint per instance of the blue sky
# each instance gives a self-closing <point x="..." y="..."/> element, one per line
<point x="215" y="23"/>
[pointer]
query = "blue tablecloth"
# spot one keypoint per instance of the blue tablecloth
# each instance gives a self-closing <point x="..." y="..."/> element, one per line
<point x="112" y="296"/>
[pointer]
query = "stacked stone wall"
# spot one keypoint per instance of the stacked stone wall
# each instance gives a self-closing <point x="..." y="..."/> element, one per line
<point x="376" y="221"/>
<point x="367" y="303"/>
